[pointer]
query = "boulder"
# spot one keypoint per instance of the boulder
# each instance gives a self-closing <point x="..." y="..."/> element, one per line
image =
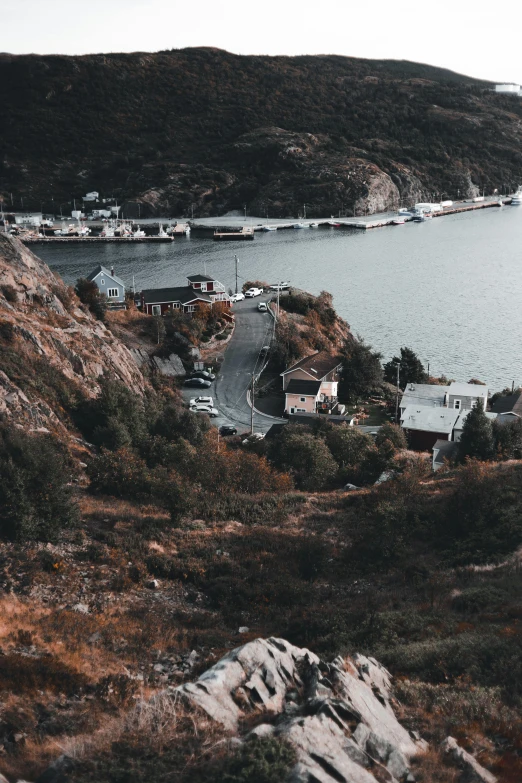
<point x="337" y="715"/>
<point x="171" y="367"/>
<point x="473" y="772"/>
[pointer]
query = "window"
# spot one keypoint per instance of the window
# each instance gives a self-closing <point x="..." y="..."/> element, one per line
<point x="156" y="309"/>
<point x="456" y="404"/>
<point x="102" y="281"/>
<point x="203" y="286"/>
<point x="176" y="305"/>
<point x="112" y="293"/>
<point x="302" y="399"/>
<point x="191" y="308"/>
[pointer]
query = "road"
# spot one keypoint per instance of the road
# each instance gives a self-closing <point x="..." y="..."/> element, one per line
<point x="242" y="357"/>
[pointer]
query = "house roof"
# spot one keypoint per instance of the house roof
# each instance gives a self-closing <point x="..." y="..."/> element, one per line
<point x="311" y="418"/>
<point x="104" y="271"/>
<point x="200" y="279"/>
<point x="444" y="449"/>
<point x="317" y="365"/>
<point x="274" y="431"/>
<point x="306" y="388"/>
<point x="423" y="394"/>
<point x="467" y="390"/>
<point x="441" y="420"/>
<point x="465" y="413"/>
<point x="184" y="294"/>
<point x="505" y="404"/>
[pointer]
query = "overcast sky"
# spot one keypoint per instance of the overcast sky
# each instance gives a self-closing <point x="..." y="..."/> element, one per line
<point x="469" y="36"/>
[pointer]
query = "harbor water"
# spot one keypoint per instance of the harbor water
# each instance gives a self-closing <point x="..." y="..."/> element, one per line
<point x="449" y="288"/>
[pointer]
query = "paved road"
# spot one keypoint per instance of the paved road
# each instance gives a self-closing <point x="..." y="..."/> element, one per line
<point x="253" y="330"/>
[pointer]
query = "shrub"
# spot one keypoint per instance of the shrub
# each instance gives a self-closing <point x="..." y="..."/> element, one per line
<point x="121" y="473"/>
<point x="35" y="500"/>
<point x="392" y="433"/>
<point x="89" y="294"/>
<point x="258" y="761"/>
<point x="306" y="457"/>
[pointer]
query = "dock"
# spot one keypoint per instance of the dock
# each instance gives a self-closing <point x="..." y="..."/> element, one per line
<point x="32" y="240"/>
<point x="244" y="233"/>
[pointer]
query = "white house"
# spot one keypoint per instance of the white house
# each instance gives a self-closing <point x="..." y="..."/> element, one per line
<point x="511" y="89"/>
<point x="28" y="218"/>
<point x="108" y="284"/>
<point x="92" y="196"/>
<point x="459" y="396"/>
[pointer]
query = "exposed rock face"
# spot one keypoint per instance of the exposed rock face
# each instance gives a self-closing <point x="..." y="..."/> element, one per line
<point x="473" y="772"/>
<point x="43" y="328"/>
<point x="337" y="715"/>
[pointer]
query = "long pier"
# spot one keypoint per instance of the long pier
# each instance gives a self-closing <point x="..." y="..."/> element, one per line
<point x="31" y="240"/>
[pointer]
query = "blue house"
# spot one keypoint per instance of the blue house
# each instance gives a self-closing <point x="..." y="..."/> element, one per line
<point x="108" y="284"/>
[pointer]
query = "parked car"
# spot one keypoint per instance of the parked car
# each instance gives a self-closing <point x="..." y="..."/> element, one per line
<point x="227" y="429"/>
<point x="201" y="401"/>
<point x="237" y="297"/>
<point x="262" y="307"/>
<point x="212" y="412"/>
<point x="207" y="376"/>
<point x="253" y="292"/>
<point x="197" y="383"/>
<point x="280" y="286"/>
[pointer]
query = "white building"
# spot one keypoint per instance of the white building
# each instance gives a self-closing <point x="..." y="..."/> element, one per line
<point x="512" y="89"/>
<point x="93" y="196"/>
<point x="458" y="396"/>
<point x="28" y="218"/>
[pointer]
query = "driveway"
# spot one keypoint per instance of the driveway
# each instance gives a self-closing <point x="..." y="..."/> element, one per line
<point x="242" y="358"/>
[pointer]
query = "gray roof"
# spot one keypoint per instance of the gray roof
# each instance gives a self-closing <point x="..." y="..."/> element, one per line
<point x="459" y="424"/>
<point x="427" y="394"/>
<point x="446" y="449"/>
<point x="200" y="279"/>
<point x="306" y="388"/>
<point x="104" y="271"/>
<point x="467" y="390"/>
<point x="505" y="404"/>
<point x="441" y="420"/>
<point x="184" y="294"/>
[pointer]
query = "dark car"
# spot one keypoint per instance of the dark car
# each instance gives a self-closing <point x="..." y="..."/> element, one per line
<point x="197" y="383"/>
<point x="207" y="376"/>
<point x="227" y="429"/>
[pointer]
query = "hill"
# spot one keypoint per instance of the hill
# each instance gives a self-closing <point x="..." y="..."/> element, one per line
<point x="215" y="130"/>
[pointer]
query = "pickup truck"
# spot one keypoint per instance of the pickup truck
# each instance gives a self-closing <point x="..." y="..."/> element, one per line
<point x="253" y="292"/>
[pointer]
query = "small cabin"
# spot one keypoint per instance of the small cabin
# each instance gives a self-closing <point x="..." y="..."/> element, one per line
<point x="108" y="284"/>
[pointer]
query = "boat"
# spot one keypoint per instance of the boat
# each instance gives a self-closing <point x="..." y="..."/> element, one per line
<point x="269" y="228"/>
<point x="139" y="233"/>
<point x="299" y="225"/>
<point x="399" y="221"/>
<point x="419" y="218"/>
<point x="334" y="223"/>
<point x="516" y="200"/>
<point x="313" y="225"/>
<point x="406" y="213"/>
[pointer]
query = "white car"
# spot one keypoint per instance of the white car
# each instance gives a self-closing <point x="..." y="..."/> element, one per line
<point x="253" y="438"/>
<point x="262" y="306"/>
<point x="237" y="297"/>
<point x="253" y="292"/>
<point x="201" y="401"/>
<point x="280" y="286"/>
<point x="212" y="412"/>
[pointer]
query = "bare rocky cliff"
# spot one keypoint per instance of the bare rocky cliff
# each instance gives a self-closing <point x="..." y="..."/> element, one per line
<point x="51" y="346"/>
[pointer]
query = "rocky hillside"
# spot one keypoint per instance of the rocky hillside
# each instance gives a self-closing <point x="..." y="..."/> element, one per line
<point x="52" y="349"/>
<point x="213" y="130"/>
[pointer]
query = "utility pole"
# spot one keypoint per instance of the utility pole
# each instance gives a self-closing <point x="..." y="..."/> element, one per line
<point x="304" y="211"/>
<point x="252" y="407"/>
<point x="236" y="260"/>
<point x="245" y="213"/>
<point x="397" y="399"/>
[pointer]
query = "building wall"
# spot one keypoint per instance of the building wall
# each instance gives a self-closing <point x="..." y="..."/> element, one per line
<point x="466" y="403"/>
<point x="106" y="282"/>
<point x="424" y="441"/>
<point x="298" y="374"/>
<point x="329" y="388"/>
<point x="295" y="401"/>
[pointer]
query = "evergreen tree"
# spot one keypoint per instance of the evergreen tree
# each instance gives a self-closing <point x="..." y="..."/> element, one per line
<point x="411" y="369"/>
<point x="361" y="371"/>
<point x="476" y="441"/>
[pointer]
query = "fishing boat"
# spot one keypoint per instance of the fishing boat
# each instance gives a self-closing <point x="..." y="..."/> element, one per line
<point x="269" y="228"/>
<point x="139" y="233"/>
<point x="334" y="223"/>
<point x="516" y="201"/>
<point x="399" y="221"/>
<point x="419" y="218"/>
<point x="299" y="225"/>
<point x="314" y="225"/>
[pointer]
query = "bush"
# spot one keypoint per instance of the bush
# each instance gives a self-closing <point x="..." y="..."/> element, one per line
<point x="258" y="761"/>
<point x="35" y="500"/>
<point x="89" y="294"/>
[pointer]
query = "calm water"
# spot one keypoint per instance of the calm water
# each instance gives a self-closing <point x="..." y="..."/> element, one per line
<point x="450" y="288"/>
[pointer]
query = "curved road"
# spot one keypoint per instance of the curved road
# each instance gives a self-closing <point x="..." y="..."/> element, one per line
<point x="253" y="330"/>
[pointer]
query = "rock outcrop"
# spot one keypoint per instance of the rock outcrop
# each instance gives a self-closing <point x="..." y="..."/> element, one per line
<point x="473" y="772"/>
<point x="49" y="340"/>
<point x="338" y="716"/>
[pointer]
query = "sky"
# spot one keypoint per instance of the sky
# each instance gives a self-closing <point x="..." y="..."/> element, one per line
<point x="472" y="37"/>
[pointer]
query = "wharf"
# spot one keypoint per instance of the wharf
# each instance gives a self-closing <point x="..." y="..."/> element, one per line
<point x="245" y="233"/>
<point x="92" y="240"/>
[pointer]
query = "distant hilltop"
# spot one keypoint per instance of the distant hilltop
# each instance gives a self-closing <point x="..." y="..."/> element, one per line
<point x="202" y="131"/>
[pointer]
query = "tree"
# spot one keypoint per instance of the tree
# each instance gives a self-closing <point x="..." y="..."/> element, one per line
<point x="304" y="456"/>
<point x="476" y="441"/>
<point x="361" y="371"/>
<point x="507" y="437"/>
<point x="36" y="501"/>
<point x="348" y="445"/>
<point x="411" y="369"/>
<point x="392" y="433"/>
<point x="89" y="294"/>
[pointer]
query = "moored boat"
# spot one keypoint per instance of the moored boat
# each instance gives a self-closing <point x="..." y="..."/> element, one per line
<point x="399" y="221"/>
<point x="516" y="201"/>
<point x="314" y="225"/>
<point x="299" y="225"/>
<point x="269" y="228"/>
